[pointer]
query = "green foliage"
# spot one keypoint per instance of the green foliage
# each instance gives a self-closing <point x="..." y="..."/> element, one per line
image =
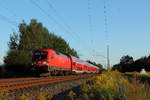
<point x="84" y="97"/>
<point x="18" y="61"/>
<point x="13" y="43"/>
<point x="127" y="64"/>
<point x="126" y="60"/>
<point x="31" y="37"/>
<point x="143" y="62"/>
<point x="72" y="95"/>
<point x="3" y="95"/>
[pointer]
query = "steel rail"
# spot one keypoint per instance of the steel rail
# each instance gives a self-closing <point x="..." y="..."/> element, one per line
<point x="43" y="81"/>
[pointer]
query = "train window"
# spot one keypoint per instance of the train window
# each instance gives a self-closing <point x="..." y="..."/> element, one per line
<point x="40" y="55"/>
<point x="79" y="60"/>
<point x="63" y="55"/>
<point x="79" y="68"/>
<point x="60" y="54"/>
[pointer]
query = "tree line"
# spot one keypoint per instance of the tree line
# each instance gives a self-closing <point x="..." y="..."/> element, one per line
<point x="127" y="64"/>
<point x="31" y="37"/>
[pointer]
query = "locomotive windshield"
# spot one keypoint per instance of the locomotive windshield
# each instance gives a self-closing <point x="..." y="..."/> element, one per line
<point x="39" y="55"/>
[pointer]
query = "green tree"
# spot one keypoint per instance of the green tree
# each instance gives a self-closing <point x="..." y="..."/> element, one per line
<point x="126" y="64"/>
<point x="143" y="62"/>
<point x="13" y="43"/>
<point x="117" y="67"/>
<point x="126" y="60"/>
<point x="31" y="37"/>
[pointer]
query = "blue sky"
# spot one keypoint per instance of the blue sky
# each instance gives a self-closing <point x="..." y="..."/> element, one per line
<point x="128" y="25"/>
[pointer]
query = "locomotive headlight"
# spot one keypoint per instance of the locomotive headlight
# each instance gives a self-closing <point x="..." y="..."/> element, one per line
<point x="33" y="63"/>
<point x="46" y="63"/>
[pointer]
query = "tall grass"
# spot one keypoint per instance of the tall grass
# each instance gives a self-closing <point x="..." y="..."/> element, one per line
<point x="3" y="95"/>
<point x="113" y="86"/>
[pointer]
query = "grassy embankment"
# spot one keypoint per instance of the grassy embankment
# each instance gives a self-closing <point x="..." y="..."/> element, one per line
<point x="113" y="86"/>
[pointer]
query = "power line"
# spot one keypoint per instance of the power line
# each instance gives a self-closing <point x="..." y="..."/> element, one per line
<point x="90" y="24"/>
<point x="61" y="26"/>
<point x="64" y="22"/>
<point x="11" y="11"/>
<point x="90" y="20"/>
<point x="67" y="26"/>
<point x="61" y="18"/>
<point x="91" y="30"/>
<point x="99" y="55"/>
<point x="106" y="23"/>
<point x="49" y="16"/>
<point x="8" y="20"/>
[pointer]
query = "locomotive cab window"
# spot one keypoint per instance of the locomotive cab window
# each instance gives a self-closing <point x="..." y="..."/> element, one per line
<point x="40" y="55"/>
<point x="60" y="54"/>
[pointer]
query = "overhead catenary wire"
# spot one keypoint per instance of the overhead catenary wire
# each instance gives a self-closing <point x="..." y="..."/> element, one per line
<point x="50" y="17"/>
<point x="95" y="53"/>
<point x="10" y="11"/>
<point x="106" y="23"/>
<point x="62" y="19"/>
<point x="90" y="20"/>
<point x="90" y="8"/>
<point x="13" y="23"/>
<point x="53" y="19"/>
<point x="64" y="27"/>
<point x="3" y="17"/>
<point x="51" y="6"/>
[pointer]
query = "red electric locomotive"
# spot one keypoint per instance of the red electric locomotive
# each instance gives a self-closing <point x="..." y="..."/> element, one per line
<point x="48" y="60"/>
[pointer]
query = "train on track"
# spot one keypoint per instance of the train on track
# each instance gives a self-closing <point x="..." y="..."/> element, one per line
<point x="52" y="62"/>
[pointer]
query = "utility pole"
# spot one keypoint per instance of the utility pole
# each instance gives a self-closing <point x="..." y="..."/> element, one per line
<point x="108" y="61"/>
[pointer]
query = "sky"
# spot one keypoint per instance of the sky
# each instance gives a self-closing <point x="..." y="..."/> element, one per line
<point x="82" y="24"/>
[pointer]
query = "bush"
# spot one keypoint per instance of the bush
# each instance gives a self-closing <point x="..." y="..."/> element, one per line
<point x="3" y="95"/>
<point x="113" y="86"/>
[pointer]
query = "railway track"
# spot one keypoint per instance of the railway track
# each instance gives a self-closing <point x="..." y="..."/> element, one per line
<point x="19" y="83"/>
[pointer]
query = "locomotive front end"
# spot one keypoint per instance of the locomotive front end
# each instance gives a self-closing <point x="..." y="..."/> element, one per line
<point x="40" y="61"/>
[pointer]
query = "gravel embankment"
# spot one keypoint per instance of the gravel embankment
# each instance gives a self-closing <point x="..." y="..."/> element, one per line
<point x="56" y="91"/>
